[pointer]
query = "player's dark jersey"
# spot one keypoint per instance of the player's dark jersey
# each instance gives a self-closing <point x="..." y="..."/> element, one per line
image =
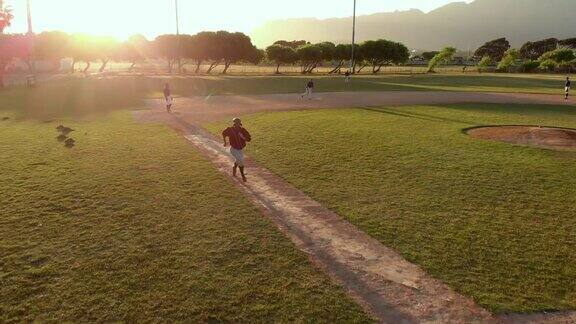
<point x="310" y="85"/>
<point x="568" y="84"/>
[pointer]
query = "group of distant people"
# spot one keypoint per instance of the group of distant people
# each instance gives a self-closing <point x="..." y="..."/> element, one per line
<point x="237" y="136"/>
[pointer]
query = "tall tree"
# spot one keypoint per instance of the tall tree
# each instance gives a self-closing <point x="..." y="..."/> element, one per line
<point x="201" y="48"/>
<point x="234" y="47"/>
<point x="381" y="52"/>
<point x="533" y="50"/>
<point x="53" y="47"/>
<point x="229" y="48"/>
<point x="256" y="56"/>
<point x="135" y="50"/>
<point x="444" y="56"/>
<point x="400" y="54"/>
<point x="12" y="47"/>
<point x="360" y="61"/>
<point x="569" y="43"/>
<point x="166" y="47"/>
<point x="309" y="57"/>
<point x="107" y="49"/>
<point x="328" y="51"/>
<point x="494" y="49"/>
<point x="6" y="17"/>
<point x="83" y="48"/>
<point x="281" y="54"/>
<point x="292" y="44"/>
<point x="342" y="53"/>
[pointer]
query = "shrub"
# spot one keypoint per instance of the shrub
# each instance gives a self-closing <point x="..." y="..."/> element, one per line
<point x="509" y="61"/>
<point x="548" y="64"/>
<point x="484" y="63"/>
<point x="529" y="66"/>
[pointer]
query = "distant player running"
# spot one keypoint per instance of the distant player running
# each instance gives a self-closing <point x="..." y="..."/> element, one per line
<point x="238" y="136"/>
<point x="168" y="98"/>
<point x="347" y="77"/>
<point x="567" y="88"/>
<point x="309" y="90"/>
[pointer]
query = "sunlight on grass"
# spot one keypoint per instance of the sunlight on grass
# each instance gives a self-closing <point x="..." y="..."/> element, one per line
<point x="133" y="225"/>
<point x="493" y="220"/>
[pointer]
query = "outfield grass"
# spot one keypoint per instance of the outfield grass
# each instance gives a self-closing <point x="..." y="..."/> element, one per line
<point x="495" y="221"/>
<point x="133" y="225"/>
<point x="80" y="97"/>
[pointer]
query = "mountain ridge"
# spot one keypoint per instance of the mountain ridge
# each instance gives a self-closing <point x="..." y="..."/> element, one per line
<point x="460" y="24"/>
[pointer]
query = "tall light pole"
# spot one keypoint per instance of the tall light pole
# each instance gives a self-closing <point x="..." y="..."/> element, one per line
<point x="32" y="57"/>
<point x="352" y="63"/>
<point x="179" y="54"/>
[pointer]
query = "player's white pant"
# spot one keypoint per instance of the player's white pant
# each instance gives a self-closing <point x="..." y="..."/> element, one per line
<point x="308" y="93"/>
<point x="238" y="156"/>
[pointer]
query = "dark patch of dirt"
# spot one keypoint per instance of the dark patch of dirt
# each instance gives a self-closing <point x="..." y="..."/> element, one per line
<point x="534" y="136"/>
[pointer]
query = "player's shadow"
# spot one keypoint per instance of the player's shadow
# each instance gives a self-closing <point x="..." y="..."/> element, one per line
<point x="420" y="116"/>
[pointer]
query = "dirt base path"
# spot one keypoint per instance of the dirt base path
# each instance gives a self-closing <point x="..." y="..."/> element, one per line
<point x="389" y="287"/>
<point x="216" y="108"/>
<point x="386" y="285"/>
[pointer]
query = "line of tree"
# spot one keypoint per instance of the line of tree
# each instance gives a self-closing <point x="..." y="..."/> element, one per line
<point x="211" y="49"/>
<point x="374" y="53"/>
<point x="548" y="54"/>
<point x="215" y="48"/>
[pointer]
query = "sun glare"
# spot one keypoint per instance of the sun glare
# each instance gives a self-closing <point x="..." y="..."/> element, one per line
<point x="119" y="19"/>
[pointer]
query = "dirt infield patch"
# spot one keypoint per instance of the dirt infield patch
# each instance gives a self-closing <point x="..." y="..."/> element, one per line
<point x="534" y="136"/>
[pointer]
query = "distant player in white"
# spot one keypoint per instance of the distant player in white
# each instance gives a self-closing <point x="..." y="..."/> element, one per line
<point x="567" y="88"/>
<point x="168" y="98"/>
<point x="309" y="90"/>
<point x="347" y="77"/>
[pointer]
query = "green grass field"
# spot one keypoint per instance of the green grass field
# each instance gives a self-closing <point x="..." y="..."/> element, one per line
<point x="133" y="225"/>
<point x="77" y="97"/>
<point x="492" y="220"/>
<point x="128" y="225"/>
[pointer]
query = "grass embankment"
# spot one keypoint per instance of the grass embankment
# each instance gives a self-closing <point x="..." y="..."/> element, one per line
<point x="133" y="225"/>
<point x="493" y="220"/>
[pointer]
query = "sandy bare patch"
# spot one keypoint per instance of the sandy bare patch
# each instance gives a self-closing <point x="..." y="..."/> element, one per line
<point x="534" y="136"/>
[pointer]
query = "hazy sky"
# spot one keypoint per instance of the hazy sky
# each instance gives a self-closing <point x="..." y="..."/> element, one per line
<point x="122" y="18"/>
